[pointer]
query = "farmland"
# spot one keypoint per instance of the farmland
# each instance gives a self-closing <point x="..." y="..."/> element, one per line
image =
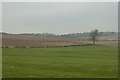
<point x="59" y="40"/>
<point x="28" y="56"/>
<point x="63" y="62"/>
<point x="12" y="40"/>
<point x="37" y="41"/>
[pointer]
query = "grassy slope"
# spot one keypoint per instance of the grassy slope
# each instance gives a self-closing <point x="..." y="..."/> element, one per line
<point x="80" y="61"/>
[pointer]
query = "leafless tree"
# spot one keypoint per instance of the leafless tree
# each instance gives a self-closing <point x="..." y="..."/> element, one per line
<point x="94" y="35"/>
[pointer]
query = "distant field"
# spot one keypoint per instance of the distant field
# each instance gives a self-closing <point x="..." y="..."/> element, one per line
<point x="37" y="41"/>
<point x="63" y="62"/>
<point x="40" y="41"/>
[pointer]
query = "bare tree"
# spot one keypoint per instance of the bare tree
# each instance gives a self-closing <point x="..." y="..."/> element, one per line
<point x="94" y="35"/>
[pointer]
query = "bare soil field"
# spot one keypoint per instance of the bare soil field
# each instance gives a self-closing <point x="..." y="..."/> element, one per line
<point x="39" y="41"/>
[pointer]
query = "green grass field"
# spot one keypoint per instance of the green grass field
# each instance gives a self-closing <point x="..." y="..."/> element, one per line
<point x="63" y="62"/>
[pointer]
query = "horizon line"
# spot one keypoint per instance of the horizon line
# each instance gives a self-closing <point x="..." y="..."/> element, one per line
<point x="52" y="33"/>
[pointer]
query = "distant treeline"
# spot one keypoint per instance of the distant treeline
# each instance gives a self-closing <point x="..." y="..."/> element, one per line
<point x="71" y="35"/>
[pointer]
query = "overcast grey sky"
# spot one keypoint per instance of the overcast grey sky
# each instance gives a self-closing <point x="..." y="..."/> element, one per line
<point x="59" y="17"/>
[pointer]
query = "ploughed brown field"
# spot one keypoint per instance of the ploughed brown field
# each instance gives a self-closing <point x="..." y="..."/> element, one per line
<point x="39" y="41"/>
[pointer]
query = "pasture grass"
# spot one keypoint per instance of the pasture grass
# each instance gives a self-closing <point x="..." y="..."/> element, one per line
<point x="64" y="62"/>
